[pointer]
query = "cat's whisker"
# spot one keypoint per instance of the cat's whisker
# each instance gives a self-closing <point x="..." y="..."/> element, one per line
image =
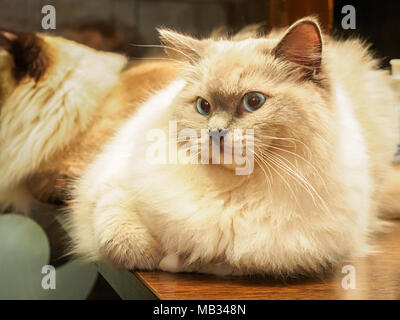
<point x="306" y="161"/>
<point x="156" y="59"/>
<point x="305" y="183"/>
<point x="261" y="163"/>
<point x="293" y="140"/>
<point x="267" y="158"/>
<point x="163" y="47"/>
<point x="293" y="174"/>
<point x="269" y="177"/>
<point x="192" y="157"/>
<point x="268" y="146"/>
<point x="195" y="156"/>
<point x="186" y="45"/>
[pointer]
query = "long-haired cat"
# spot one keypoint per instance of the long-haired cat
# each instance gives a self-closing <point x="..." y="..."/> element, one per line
<point x="50" y="90"/>
<point x="322" y="114"/>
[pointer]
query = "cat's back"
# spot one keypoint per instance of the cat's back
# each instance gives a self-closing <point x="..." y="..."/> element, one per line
<point x="370" y="96"/>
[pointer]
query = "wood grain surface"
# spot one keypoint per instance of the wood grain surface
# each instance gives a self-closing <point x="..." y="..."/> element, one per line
<point x="377" y="276"/>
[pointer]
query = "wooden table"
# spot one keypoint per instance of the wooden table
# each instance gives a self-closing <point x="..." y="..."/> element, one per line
<point x="377" y="276"/>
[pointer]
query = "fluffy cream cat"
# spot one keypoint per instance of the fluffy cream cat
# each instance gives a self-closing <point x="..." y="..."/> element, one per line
<point x="324" y="135"/>
<point x="49" y="94"/>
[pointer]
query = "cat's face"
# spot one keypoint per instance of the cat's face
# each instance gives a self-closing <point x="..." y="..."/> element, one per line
<point x="274" y="86"/>
<point x="23" y="57"/>
<point x="27" y="68"/>
<point x="35" y="61"/>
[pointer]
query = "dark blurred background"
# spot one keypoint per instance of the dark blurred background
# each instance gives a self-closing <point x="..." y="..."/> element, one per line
<point x="112" y="24"/>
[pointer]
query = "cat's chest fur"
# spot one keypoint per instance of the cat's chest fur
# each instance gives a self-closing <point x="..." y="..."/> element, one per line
<point x="213" y="218"/>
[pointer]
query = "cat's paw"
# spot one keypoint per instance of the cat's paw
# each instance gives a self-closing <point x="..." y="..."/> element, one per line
<point x="172" y="263"/>
<point x="130" y="249"/>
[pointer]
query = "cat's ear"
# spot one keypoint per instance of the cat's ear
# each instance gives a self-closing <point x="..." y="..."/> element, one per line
<point x="28" y="51"/>
<point x="302" y="45"/>
<point x="179" y="46"/>
<point x="6" y="39"/>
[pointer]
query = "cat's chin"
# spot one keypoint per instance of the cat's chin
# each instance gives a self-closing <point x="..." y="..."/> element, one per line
<point x="231" y="162"/>
<point x="231" y="167"/>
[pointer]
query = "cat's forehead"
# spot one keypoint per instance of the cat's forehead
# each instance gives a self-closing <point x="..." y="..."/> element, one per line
<point x="245" y="44"/>
<point x="235" y="57"/>
<point x="240" y="50"/>
<point x="234" y="66"/>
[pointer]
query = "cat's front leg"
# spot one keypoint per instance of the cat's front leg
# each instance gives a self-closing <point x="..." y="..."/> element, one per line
<point x="121" y="237"/>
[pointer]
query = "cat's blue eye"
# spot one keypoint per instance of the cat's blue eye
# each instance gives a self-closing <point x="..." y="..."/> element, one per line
<point x="253" y="100"/>
<point x="203" y="107"/>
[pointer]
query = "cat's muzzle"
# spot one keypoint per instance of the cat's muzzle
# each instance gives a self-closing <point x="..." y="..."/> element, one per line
<point x="217" y="137"/>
